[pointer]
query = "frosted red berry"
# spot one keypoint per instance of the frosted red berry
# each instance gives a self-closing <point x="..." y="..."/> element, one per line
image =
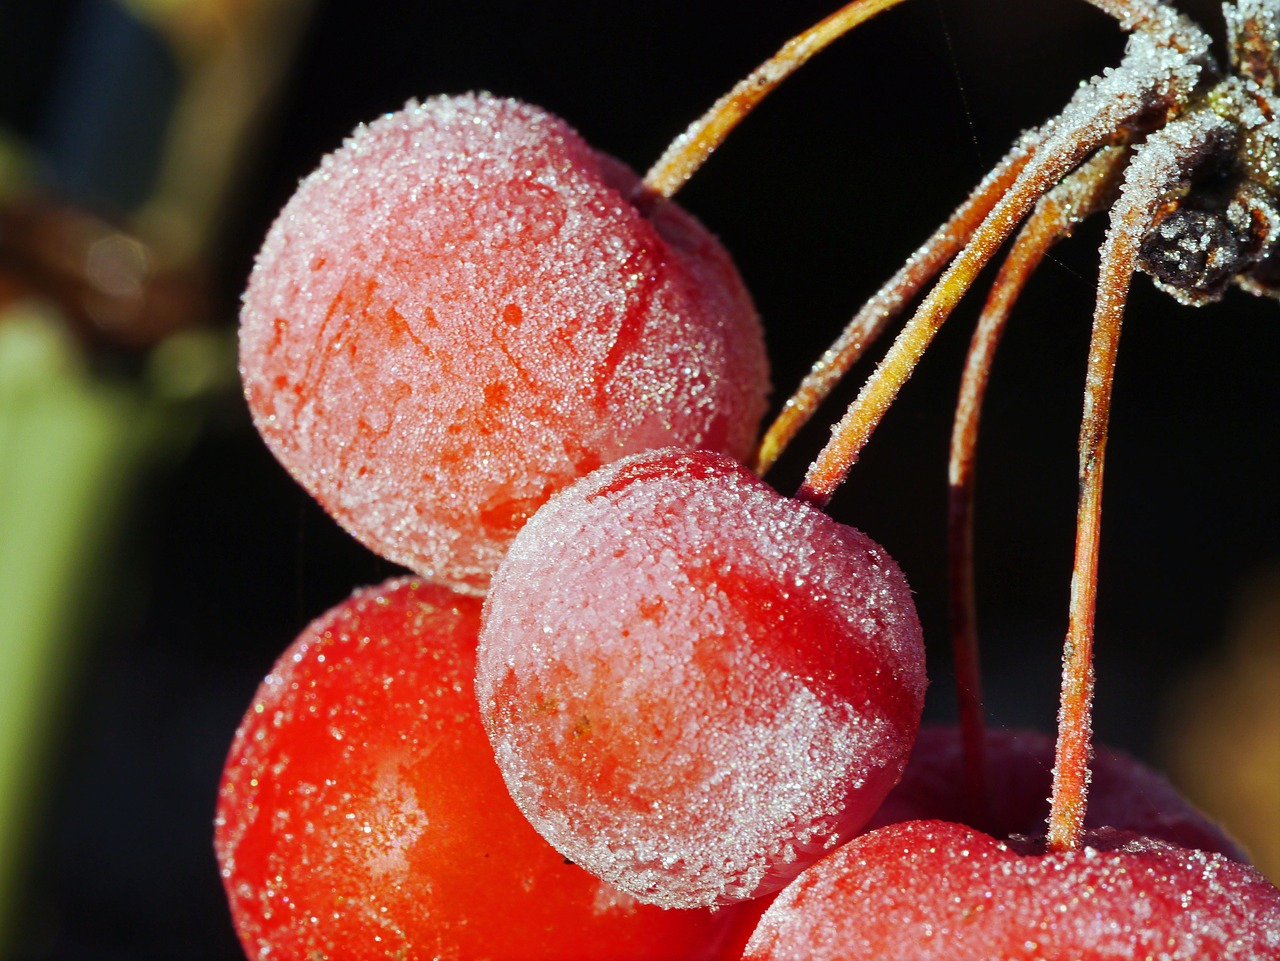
<point x="695" y="686"/>
<point x="361" y="815"/>
<point x="1124" y="793"/>
<point x="463" y="309"/>
<point x="941" y="891"/>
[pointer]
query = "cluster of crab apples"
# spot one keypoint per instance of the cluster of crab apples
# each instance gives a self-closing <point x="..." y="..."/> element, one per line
<point x="632" y="703"/>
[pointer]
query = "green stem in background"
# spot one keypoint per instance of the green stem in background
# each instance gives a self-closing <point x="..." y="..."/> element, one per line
<point x="73" y="448"/>
<point x="76" y="444"/>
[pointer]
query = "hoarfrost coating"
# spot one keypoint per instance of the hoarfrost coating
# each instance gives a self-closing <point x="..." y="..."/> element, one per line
<point x="695" y="686"/>
<point x="462" y="310"/>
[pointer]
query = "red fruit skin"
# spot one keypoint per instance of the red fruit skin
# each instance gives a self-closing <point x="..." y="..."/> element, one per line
<point x="695" y="686"/>
<point x="1123" y="793"/>
<point x="941" y="891"/>
<point x="361" y="815"/>
<point x="462" y="310"/>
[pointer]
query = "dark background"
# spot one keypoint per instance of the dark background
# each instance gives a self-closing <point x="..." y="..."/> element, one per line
<point x="820" y="195"/>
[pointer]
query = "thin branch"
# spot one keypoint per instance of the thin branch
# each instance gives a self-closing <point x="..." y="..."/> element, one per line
<point x="867" y="325"/>
<point x="1102" y="112"/>
<point x="1087" y="190"/>
<point x="690" y="150"/>
<point x="1159" y="168"/>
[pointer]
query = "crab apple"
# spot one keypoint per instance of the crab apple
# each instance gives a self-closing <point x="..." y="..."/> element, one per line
<point x="942" y="891"/>
<point x="361" y="814"/>
<point x="1123" y="793"/>
<point x="695" y="686"/>
<point x="465" y="308"/>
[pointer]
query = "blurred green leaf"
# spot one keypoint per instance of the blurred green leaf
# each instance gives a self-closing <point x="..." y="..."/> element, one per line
<point x="72" y="447"/>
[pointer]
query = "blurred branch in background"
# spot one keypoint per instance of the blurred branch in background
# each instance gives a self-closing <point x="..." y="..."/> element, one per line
<point x="113" y="190"/>
<point x="72" y="447"/>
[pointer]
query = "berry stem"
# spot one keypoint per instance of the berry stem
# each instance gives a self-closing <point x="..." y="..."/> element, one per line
<point x="1088" y="189"/>
<point x="690" y="150"/>
<point x="867" y="325"/>
<point x="1157" y="171"/>
<point x="1100" y="110"/>
<point x="836" y="459"/>
<point x="1075" y="713"/>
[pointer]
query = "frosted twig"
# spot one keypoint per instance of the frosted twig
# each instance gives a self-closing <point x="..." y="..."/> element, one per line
<point x="888" y="302"/>
<point x="1159" y="167"/>
<point x="691" y="149"/>
<point x="1087" y="190"/>
<point x="1104" y="111"/>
